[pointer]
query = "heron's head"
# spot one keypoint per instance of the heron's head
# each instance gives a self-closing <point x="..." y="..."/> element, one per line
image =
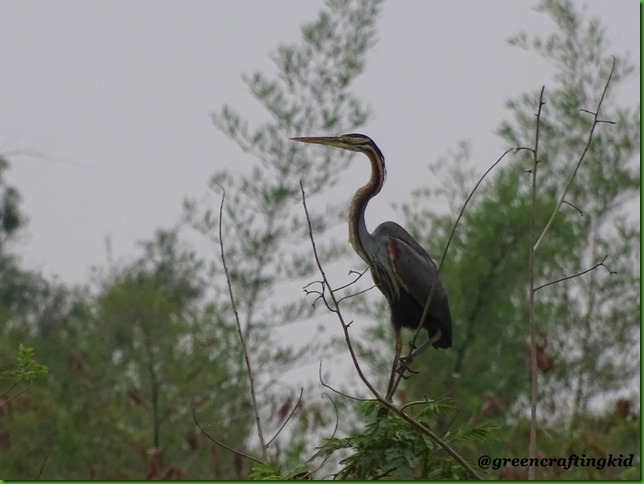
<point x="352" y="142"/>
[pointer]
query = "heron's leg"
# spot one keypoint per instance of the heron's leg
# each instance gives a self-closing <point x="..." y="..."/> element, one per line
<point x="426" y="344"/>
<point x="394" y="366"/>
<point x="406" y="360"/>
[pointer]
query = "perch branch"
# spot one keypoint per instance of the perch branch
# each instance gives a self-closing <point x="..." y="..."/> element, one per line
<point x="345" y="328"/>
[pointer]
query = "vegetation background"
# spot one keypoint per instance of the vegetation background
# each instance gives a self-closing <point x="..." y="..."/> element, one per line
<point x="145" y="355"/>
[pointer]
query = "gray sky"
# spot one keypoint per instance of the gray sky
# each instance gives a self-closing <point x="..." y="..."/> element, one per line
<point x="117" y="96"/>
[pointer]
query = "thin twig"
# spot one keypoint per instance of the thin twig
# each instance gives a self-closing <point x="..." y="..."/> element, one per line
<point x="42" y="466"/>
<point x="13" y="385"/>
<point x="384" y="473"/>
<point x="290" y="415"/>
<point x="337" y="415"/>
<point x="13" y="397"/>
<point x="418" y="402"/>
<point x="220" y="443"/>
<point x="596" y="121"/>
<point x="532" y="444"/>
<point x="360" y="274"/>
<point x="355" y="294"/>
<point x="335" y="430"/>
<point x="599" y="264"/>
<point x="326" y="385"/>
<point x="251" y="378"/>
<point x="345" y="328"/>
<point x="575" y="207"/>
<point x="320" y="294"/>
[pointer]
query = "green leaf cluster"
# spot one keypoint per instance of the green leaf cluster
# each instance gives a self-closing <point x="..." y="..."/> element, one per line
<point x="386" y="446"/>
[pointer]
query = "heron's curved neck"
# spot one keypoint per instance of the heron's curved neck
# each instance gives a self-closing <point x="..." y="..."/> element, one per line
<point x="359" y="236"/>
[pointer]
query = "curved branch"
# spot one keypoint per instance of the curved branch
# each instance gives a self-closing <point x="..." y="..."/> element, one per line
<point x="411" y="404"/>
<point x="295" y="407"/>
<point x="355" y="294"/>
<point x="221" y="444"/>
<point x="335" y="430"/>
<point x="360" y="274"/>
<point x="251" y="378"/>
<point x="325" y="385"/>
<point x="599" y="264"/>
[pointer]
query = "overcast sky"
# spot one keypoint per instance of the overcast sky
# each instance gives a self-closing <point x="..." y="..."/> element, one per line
<point x="117" y="98"/>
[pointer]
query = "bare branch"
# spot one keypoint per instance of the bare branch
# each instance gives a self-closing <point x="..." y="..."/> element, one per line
<point x="221" y="444"/>
<point x="596" y="121"/>
<point x="290" y="415"/>
<point x="345" y="326"/>
<point x="575" y="207"/>
<point x="251" y="378"/>
<point x="42" y="466"/>
<point x="599" y="264"/>
<point x="535" y="245"/>
<point x="360" y="274"/>
<point x="335" y="430"/>
<point x="16" y="395"/>
<point x="523" y="148"/>
<point x="337" y="416"/>
<point x="355" y="294"/>
<point x="425" y="401"/>
<point x="532" y="444"/>
<point x="467" y="201"/>
<point x="320" y="294"/>
<point x="13" y="385"/>
<point x="325" y="385"/>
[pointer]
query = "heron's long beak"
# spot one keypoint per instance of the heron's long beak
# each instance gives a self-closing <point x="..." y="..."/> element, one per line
<point x="321" y="140"/>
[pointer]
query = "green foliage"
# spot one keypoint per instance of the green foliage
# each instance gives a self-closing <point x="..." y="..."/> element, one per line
<point x="11" y="218"/>
<point x="265" y="472"/>
<point x="27" y="370"/>
<point x="126" y="368"/>
<point x="386" y="446"/>
<point x="15" y="380"/>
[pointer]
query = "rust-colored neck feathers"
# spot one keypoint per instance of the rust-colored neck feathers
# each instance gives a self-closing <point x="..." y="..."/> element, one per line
<point x="359" y="236"/>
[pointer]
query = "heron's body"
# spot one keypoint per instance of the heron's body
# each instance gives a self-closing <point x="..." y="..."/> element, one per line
<point x="415" y="272"/>
<point x="400" y="267"/>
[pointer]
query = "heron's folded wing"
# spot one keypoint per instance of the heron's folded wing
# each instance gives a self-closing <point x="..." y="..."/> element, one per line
<point x="417" y="274"/>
